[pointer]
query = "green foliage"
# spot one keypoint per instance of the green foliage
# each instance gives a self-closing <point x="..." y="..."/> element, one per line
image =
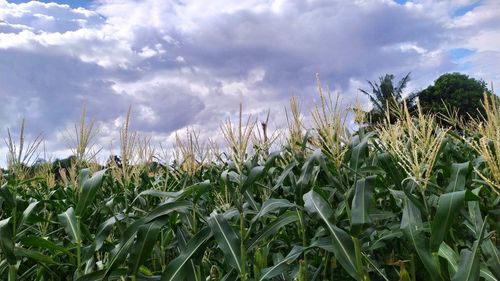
<point x="288" y="215"/>
<point x="386" y="96"/>
<point x="454" y="91"/>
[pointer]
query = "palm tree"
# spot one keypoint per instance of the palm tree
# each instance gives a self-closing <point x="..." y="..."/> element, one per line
<point x="385" y="96"/>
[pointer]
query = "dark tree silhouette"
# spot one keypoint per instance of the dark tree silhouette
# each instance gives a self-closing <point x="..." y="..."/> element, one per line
<point x="385" y="95"/>
<point x="454" y="91"/>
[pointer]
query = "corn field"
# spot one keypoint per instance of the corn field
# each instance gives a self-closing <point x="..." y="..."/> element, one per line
<point x="404" y="200"/>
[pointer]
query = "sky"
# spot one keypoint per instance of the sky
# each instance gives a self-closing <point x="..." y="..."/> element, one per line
<point x="183" y="64"/>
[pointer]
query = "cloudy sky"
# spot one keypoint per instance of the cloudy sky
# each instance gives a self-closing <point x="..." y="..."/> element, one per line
<point x="190" y="63"/>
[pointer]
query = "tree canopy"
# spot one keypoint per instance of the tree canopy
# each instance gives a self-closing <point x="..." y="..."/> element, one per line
<point x="385" y="95"/>
<point x="454" y="91"/>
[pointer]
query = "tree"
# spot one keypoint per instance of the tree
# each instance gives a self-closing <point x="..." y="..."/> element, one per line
<point x="454" y="91"/>
<point x="385" y="96"/>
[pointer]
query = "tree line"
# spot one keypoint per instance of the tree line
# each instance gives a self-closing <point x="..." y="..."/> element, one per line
<point x="451" y="94"/>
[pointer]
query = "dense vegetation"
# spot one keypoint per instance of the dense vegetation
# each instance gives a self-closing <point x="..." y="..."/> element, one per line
<point x="405" y="200"/>
<point x="457" y="91"/>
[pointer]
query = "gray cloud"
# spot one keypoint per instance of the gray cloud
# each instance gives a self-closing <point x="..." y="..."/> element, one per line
<point x="186" y="63"/>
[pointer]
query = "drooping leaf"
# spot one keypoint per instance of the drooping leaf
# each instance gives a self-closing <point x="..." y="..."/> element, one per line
<point x="7" y="196"/>
<point x="174" y="270"/>
<point x="101" y="275"/>
<point x="120" y="252"/>
<point x="359" y="151"/>
<point x="34" y="255"/>
<point x="103" y="232"/>
<point x="190" y="268"/>
<point x="146" y="238"/>
<point x="272" y="205"/>
<point x="342" y="242"/>
<point x="282" y="265"/>
<point x="363" y="199"/>
<point x="412" y="227"/>
<point x="118" y="255"/>
<point x="459" y="173"/>
<point x="227" y="240"/>
<point x="70" y="223"/>
<point x="273" y="228"/>
<point x="39" y="242"/>
<point x="469" y="268"/>
<point x="255" y="174"/>
<point x="449" y="205"/>
<point x="306" y="173"/>
<point x="449" y="255"/>
<point x="26" y="214"/>
<point x="6" y="241"/>
<point x="88" y="188"/>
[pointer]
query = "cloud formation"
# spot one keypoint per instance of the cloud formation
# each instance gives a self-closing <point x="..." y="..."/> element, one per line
<point x="189" y="63"/>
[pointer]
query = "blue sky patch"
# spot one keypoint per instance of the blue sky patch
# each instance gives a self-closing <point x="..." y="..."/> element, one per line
<point x="460" y="53"/>
<point x="72" y="3"/>
<point x="464" y="9"/>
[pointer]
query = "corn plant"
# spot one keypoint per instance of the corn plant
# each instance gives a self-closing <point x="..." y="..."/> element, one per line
<point x="408" y="200"/>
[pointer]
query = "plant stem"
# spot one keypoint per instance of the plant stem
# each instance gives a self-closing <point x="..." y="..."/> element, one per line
<point x="359" y="262"/>
<point x="304" y="240"/>
<point x="78" y="248"/>
<point x="12" y="272"/>
<point x="242" y="245"/>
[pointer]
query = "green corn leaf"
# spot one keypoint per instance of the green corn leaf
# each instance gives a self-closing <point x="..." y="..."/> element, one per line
<point x="453" y="258"/>
<point x="449" y="255"/>
<point x="195" y="189"/>
<point x="359" y="151"/>
<point x="391" y="169"/>
<point x="449" y="205"/>
<point x="146" y="239"/>
<point x="164" y="209"/>
<point x="342" y="242"/>
<point x="34" y="255"/>
<point x="307" y="174"/>
<point x="272" y="205"/>
<point x="7" y="197"/>
<point x="486" y="273"/>
<point x="42" y="243"/>
<point x="250" y="200"/>
<point x="103" y="232"/>
<point x="232" y="275"/>
<point x="120" y="252"/>
<point x="118" y="255"/>
<point x="488" y="248"/>
<point x="227" y="239"/>
<point x="411" y="225"/>
<point x="26" y="214"/>
<point x="190" y="268"/>
<point x="282" y="265"/>
<point x="88" y="188"/>
<point x="458" y="176"/>
<point x="469" y="268"/>
<point x="70" y="223"/>
<point x="175" y="269"/>
<point x="6" y="242"/>
<point x="273" y="227"/>
<point x="494" y="266"/>
<point x="286" y="172"/>
<point x="101" y="275"/>
<point x="255" y="174"/>
<point x="363" y="198"/>
<point x="271" y="159"/>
